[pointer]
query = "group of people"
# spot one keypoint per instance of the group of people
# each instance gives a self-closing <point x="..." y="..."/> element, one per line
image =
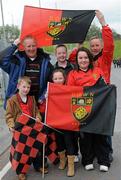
<point x="117" y="63"/>
<point x="30" y="71"/>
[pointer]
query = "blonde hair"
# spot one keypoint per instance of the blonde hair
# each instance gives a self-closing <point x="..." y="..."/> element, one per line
<point x="95" y="37"/>
<point x="25" y="79"/>
<point x="28" y="37"/>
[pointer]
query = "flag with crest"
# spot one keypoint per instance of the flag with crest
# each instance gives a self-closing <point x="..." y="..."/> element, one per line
<point x="52" y="26"/>
<point x="89" y="109"/>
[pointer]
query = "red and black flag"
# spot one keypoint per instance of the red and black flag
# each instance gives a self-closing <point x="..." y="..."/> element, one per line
<point x="26" y="143"/>
<point x="50" y="26"/>
<point x="91" y="109"/>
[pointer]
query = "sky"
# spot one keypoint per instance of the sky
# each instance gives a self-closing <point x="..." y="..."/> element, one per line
<point x="13" y="10"/>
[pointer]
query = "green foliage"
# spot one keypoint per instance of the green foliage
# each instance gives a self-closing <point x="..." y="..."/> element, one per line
<point x="49" y="49"/>
<point x="11" y="32"/>
<point x="93" y="31"/>
<point x="117" y="50"/>
<point x="1" y="102"/>
<point x="96" y="31"/>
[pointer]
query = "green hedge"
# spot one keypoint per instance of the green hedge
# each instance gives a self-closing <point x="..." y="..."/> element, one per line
<point x="117" y="51"/>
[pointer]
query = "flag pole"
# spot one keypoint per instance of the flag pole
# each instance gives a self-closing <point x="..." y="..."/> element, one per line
<point x="43" y="159"/>
<point x="43" y="163"/>
<point x="45" y="123"/>
<point x="3" y="24"/>
<point x="42" y="123"/>
<point x="4" y="76"/>
<point x="39" y="3"/>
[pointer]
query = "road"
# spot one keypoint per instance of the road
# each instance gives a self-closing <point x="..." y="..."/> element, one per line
<point x="114" y="173"/>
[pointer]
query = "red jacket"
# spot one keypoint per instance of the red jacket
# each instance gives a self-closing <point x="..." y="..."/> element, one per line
<point x="82" y="78"/>
<point x="105" y="60"/>
<point x="72" y="56"/>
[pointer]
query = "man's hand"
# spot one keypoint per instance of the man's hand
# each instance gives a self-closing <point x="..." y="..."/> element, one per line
<point x="100" y="17"/>
<point x="17" y="42"/>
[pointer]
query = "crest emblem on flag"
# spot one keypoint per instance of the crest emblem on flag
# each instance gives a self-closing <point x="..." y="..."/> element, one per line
<point x="81" y="107"/>
<point x="56" y="28"/>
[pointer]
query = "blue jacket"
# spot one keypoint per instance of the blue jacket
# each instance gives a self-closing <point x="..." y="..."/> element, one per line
<point x="14" y="64"/>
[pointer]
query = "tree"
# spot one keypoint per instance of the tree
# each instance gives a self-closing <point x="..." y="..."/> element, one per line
<point x="11" y="32"/>
<point x="96" y="31"/>
<point x="93" y="31"/>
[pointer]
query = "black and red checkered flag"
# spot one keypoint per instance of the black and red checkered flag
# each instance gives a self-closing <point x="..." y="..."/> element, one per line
<point x="26" y="143"/>
<point x="52" y="149"/>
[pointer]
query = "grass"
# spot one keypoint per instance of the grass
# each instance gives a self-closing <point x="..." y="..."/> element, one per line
<point x="117" y="50"/>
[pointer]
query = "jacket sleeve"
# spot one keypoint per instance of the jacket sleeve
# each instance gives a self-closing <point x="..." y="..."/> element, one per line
<point x="50" y="70"/>
<point x="108" y="41"/>
<point x="9" y="115"/>
<point x="72" y="56"/>
<point x="70" y="79"/>
<point x="6" y="56"/>
<point x="45" y="77"/>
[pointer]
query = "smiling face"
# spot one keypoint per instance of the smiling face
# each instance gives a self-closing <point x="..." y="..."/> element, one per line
<point x="30" y="47"/>
<point x="61" y="54"/>
<point x="83" y="60"/>
<point x="58" y="78"/>
<point x="23" y="88"/>
<point x="96" y="46"/>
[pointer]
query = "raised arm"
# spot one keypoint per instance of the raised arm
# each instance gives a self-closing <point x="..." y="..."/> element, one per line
<point x="7" y="55"/>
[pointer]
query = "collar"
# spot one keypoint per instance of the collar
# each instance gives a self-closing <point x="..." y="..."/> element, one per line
<point x="97" y="56"/>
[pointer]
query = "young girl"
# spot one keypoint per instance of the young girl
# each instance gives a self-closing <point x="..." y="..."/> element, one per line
<point x="65" y="141"/>
<point x="91" y="144"/>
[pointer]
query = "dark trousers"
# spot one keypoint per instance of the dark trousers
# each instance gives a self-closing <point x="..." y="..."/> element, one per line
<point x="109" y="141"/>
<point x="94" y="145"/>
<point x="66" y="141"/>
<point x="60" y="141"/>
<point x="76" y="145"/>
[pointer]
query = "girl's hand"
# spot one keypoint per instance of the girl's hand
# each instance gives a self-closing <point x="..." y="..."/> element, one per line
<point x="46" y="95"/>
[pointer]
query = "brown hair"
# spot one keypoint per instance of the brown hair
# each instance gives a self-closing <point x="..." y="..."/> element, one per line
<point x="61" y="45"/>
<point x="59" y="70"/>
<point x="89" y="54"/>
